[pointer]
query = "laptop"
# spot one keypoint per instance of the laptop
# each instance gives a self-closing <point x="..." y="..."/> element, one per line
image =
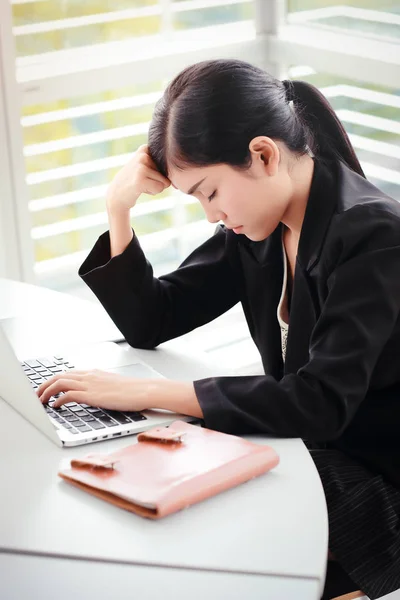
<point x="75" y="424"/>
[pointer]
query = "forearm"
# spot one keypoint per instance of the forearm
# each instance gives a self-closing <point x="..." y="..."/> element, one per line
<point x="178" y="396"/>
<point x="120" y="230"/>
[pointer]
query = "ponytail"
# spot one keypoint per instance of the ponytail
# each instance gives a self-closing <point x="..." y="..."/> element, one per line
<point x="326" y="134"/>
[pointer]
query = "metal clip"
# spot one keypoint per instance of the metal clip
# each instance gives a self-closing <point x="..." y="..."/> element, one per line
<point x="97" y="461"/>
<point x="162" y="434"/>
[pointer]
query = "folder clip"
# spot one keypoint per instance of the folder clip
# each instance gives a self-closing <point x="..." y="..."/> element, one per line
<point x="162" y="434"/>
<point x="96" y="461"/>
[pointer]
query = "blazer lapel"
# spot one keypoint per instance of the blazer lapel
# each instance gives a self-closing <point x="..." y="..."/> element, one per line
<point x="262" y="265"/>
<point x="301" y="323"/>
<point x="303" y="311"/>
<point x="321" y="205"/>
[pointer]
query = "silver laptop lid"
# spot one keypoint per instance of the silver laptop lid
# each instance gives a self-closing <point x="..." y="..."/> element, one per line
<point x="16" y="390"/>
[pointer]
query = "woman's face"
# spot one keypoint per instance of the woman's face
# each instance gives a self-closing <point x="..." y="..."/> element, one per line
<point x="251" y="202"/>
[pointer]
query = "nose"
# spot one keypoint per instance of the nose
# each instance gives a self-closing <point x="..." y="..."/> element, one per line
<point x="214" y="216"/>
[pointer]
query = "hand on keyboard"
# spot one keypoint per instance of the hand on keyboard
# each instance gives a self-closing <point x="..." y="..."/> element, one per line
<point x="97" y="388"/>
<point x="76" y="418"/>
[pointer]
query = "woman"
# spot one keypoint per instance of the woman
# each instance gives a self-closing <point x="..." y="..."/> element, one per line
<point x="305" y="235"/>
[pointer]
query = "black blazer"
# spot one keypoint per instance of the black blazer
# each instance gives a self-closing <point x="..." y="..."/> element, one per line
<point x="340" y="384"/>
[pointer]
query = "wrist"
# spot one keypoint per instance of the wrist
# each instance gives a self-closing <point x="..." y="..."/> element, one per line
<point x="116" y="211"/>
<point x="178" y="396"/>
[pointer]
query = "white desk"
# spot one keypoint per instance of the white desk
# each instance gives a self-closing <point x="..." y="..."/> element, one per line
<point x="265" y="539"/>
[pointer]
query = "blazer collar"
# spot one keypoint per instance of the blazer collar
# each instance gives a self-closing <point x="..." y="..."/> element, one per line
<point x="321" y="205"/>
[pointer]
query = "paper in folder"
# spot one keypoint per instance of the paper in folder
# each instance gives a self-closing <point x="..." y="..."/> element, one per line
<point x="170" y="468"/>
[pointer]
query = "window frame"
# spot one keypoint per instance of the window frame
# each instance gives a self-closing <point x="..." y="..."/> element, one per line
<point x="16" y="246"/>
<point x="278" y="43"/>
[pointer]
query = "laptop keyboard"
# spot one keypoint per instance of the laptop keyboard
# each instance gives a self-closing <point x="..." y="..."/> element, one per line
<point x="72" y="416"/>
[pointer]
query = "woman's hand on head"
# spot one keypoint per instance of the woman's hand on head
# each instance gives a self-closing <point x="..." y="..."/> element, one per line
<point x="97" y="388"/>
<point x="138" y="176"/>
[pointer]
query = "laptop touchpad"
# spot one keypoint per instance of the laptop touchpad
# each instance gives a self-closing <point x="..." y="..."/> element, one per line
<point x="137" y="370"/>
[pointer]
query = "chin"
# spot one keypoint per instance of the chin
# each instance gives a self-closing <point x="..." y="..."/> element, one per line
<point x="254" y="237"/>
<point x="260" y="235"/>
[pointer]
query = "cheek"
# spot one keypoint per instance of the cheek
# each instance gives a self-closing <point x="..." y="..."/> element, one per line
<point x="249" y="201"/>
<point x="237" y="198"/>
<point x="273" y="197"/>
<point x="265" y="214"/>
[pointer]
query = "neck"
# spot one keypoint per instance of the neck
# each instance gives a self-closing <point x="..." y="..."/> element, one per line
<point x="301" y="175"/>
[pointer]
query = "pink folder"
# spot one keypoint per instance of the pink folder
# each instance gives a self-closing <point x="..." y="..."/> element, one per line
<point x="170" y="468"/>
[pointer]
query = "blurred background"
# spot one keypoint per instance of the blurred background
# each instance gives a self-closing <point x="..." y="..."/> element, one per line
<point x="78" y="83"/>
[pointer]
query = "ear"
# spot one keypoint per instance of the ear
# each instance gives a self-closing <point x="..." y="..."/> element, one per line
<point x="265" y="154"/>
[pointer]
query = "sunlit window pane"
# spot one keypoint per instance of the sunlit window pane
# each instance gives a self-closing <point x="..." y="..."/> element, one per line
<point x="217" y="15"/>
<point x="369" y="17"/>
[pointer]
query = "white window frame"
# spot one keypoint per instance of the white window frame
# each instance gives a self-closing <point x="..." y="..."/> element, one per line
<point x="278" y="43"/>
<point x="16" y="247"/>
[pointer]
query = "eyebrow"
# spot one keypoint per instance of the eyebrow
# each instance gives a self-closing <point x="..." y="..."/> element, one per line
<point x="195" y="186"/>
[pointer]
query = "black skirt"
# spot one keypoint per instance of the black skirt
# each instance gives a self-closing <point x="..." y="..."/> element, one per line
<point x="364" y="522"/>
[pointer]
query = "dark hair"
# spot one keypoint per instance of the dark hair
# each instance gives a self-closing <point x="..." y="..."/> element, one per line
<point x="212" y="110"/>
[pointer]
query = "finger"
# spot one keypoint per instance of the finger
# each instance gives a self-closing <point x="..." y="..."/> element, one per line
<point x="72" y="374"/>
<point x="152" y="173"/>
<point x="43" y="387"/>
<point x="146" y="158"/>
<point x="79" y="396"/>
<point x="61" y="385"/>
<point x="154" y="187"/>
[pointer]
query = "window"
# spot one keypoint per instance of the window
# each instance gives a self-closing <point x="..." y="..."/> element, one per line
<point x="79" y="80"/>
<point x="89" y="74"/>
<point x="372" y="17"/>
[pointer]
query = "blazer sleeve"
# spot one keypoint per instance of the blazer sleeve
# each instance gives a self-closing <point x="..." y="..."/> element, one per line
<point x="149" y="310"/>
<point x="357" y="319"/>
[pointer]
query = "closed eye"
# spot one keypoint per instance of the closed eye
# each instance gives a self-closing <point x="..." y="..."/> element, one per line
<point x="212" y="196"/>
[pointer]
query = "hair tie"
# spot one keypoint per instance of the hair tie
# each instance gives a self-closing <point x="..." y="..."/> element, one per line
<point x="289" y="90"/>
